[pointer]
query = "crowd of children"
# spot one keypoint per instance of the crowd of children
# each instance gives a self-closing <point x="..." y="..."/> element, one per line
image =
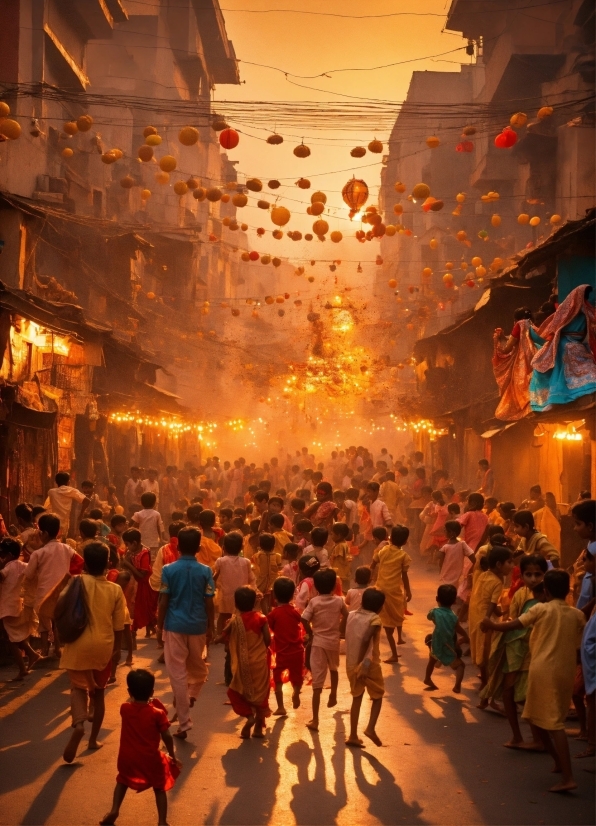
<point x="291" y="579"/>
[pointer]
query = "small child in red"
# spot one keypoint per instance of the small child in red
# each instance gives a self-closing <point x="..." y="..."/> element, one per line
<point x="141" y="764"/>
<point x="286" y="624"/>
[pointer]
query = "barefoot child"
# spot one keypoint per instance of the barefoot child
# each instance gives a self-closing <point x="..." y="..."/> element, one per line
<point x="291" y="555"/>
<point x="15" y="617"/>
<point x="286" y="624"/>
<point x="556" y="635"/>
<point x="266" y="565"/>
<point x="248" y="638"/>
<point x="393" y="580"/>
<point x="452" y="554"/>
<point x="354" y="595"/>
<point x="210" y="550"/>
<point x="510" y="653"/>
<point x="305" y="590"/>
<point x="137" y="562"/>
<point x="363" y="663"/>
<point x="443" y="643"/>
<point x="282" y="537"/>
<point x="484" y="602"/>
<point x="141" y="763"/>
<point x="319" y="538"/>
<point x="322" y="617"/>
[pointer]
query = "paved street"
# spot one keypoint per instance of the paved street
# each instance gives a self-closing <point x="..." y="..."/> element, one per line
<point x="442" y="761"/>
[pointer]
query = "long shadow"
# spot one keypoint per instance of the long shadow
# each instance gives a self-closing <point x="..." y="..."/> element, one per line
<point x="385" y="798"/>
<point x="312" y="803"/>
<point x="45" y="802"/>
<point x="252" y="769"/>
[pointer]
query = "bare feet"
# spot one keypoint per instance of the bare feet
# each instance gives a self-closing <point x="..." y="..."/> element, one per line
<point x="161" y="658"/>
<point x="456" y="689"/>
<point x="94" y="745"/>
<point x="583" y="735"/>
<point x="332" y="701"/>
<point x="111" y="681"/>
<point x="128" y="662"/>
<point x="110" y="818"/>
<point x="392" y="659"/>
<point x="514" y="744"/>
<point x="246" y="728"/>
<point x="430" y="686"/>
<point x="312" y="725"/>
<point x="532" y="746"/>
<point x="569" y="786"/>
<point x="296" y="700"/>
<point x="258" y="732"/>
<point x="280" y="712"/>
<point x="589" y="752"/>
<point x="356" y="742"/>
<point x="70" y="751"/>
<point x="372" y="735"/>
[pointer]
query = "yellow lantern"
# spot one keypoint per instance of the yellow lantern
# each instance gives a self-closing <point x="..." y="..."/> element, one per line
<point x="265" y="259"/>
<point x="519" y="119"/>
<point x="555" y="219"/>
<point x="534" y="221"/>
<point x="145" y="193"/>
<point x="420" y="192"/>
<point x="127" y="182"/>
<point x="4" y="109"/>
<point x="460" y="197"/>
<point x="480" y="271"/>
<point x="390" y="230"/>
<point x="320" y="227"/>
<point x="461" y="235"/>
<point x="336" y="237"/>
<point x="188" y="136"/>
<point x="355" y="195"/>
<point x="449" y="265"/>
<point x="433" y="142"/>
<point x="11" y="129"/>
<point x="151" y="296"/>
<point x="117" y="153"/>
<point x="70" y="127"/>
<point x="245" y="257"/>
<point x="448" y="278"/>
<point x="162" y="178"/>
<point x="153" y="140"/>
<point x="67" y="152"/>
<point x="225" y="198"/>
<point x="496" y="220"/>
<point x="318" y="197"/>
<point x="84" y="123"/>
<point x="433" y="243"/>
<point x="280" y="215"/>
<point x="180" y="188"/>
<point x="427" y="272"/>
<point x="239" y="199"/>
<point x="107" y="157"/>
<point x="167" y="163"/>
<point x="476" y="261"/>
<point x="523" y="218"/>
<point x="392" y="283"/>
<point x="545" y="112"/>
<point x="463" y="265"/>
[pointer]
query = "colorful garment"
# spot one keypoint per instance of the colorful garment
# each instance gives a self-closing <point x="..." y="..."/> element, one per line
<point x="443" y="644"/>
<point x="513" y="372"/>
<point x="486" y="591"/>
<point x="250" y="661"/>
<point x="141" y="764"/>
<point x="564" y="366"/>
<point x="145" y="607"/>
<point x="393" y="563"/>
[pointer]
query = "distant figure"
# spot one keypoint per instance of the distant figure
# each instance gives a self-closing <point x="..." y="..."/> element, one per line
<point x="485" y="478"/>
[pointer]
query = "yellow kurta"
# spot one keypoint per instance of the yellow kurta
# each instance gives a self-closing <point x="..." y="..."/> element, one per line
<point x="208" y="552"/>
<point x="555" y="638"/>
<point x="107" y="608"/>
<point x="340" y="560"/>
<point x="281" y="540"/>
<point x="488" y="589"/>
<point x="393" y="563"/>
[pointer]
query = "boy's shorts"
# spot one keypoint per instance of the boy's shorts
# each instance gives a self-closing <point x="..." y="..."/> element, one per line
<point x="293" y="664"/>
<point x="322" y="660"/>
<point x="372" y="681"/>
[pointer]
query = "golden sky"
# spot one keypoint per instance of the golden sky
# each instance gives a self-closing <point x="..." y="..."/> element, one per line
<point x="309" y="45"/>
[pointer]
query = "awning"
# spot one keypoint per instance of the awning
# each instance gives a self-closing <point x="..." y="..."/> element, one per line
<point x="488" y="434"/>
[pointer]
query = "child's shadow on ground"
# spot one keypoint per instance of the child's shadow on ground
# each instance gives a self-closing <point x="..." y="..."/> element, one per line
<point x="312" y="803"/>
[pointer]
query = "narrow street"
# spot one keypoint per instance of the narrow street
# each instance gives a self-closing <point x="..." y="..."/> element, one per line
<point x="442" y="760"/>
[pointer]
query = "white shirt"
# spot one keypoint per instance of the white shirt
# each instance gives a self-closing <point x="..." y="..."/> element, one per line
<point x="357" y="626"/>
<point x="151" y="527"/>
<point x="48" y="564"/>
<point x="147" y="486"/>
<point x="130" y="491"/>
<point x="60" y="501"/>
<point x="354" y="598"/>
<point x="379" y="514"/>
<point x="234" y="572"/>
<point x="319" y="553"/>
<point x="11" y="577"/>
<point x="324" y="613"/>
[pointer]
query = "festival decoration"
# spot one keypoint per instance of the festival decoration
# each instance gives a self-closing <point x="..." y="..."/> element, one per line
<point x="523" y="218"/>
<point x="239" y="199"/>
<point x="200" y="193"/>
<point x="420" y="192"/>
<point x="181" y="188"/>
<point x="4" y="109"/>
<point x="162" y="178"/>
<point x="534" y="221"/>
<point x="10" y="129"/>
<point x="263" y="204"/>
<point x="214" y="194"/>
<point x="145" y="153"/>
<point x="127" y="182"/>
<point x="84" y="123"/>
<point x="519" y="119"/>
<point x="336" y="237"/>
<point x="280" y="215"/>
<point x="273" y="184"/>
<point x="318" y="197"/>
<point x="254" y="185"/>
<point x="506" y="139"/>
<point x="545" y="112"/>
<point x="167" y="163"/>
<point x="355" y="195"/>
<point x="301" y="151"/>
<point x="464" y="146"/>
<point x="303" y="183"/>
<point x="219" y="124"/>
<point x="432" y="142"/>
<point x="468" y="130"/>
<point x="229" y="138"/>
<point x="188" y="136"/>
<point x="375" y="146"/>
<point x="555" y="219"/>
<point x="358" y="152"/>
<point x="399" y="187"/>
<point x="70" y="127"/>
<point x="495" y="220"/>
<point x="275" y="139"/>
<point x="67" y="152"/>
<point x="153" y="140"/>
<point x="145" y="194"/>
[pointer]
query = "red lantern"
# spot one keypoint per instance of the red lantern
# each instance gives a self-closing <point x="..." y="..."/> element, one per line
<point x="465" y="146"/>
<point x="506" y="139"/>
<point x="253" y="255"/>
<point x="229" y="138"/>
<point x="470" y="283"/>
<point x="260" y="231"/>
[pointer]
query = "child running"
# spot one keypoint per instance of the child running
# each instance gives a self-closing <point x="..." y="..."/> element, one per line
<point x="363" y="664"/>
<point x="14" y="616"/>
<point x="141" y="764"/>
<point x="137" y="561"/>
<point x="393" y="580"/>
<point x="362" y="577"/>
<point x="286" y="624"/>
<point x="452" y="555"/>
<point x="231" y="572"/>
<point x="322" y="617"/>
<point x="443" y="640"/>
<point x="555" y="639"/>
<point x="266" y="565"/>
<point x="340" y="558"/>
<point x="510" y="653"/>
<point x="291" y="554"/>
<point x="305" y="591"/>
<point x="248" y="639"/>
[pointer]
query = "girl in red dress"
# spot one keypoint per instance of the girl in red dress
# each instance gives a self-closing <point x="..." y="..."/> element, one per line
<point x="141" y="764"/>
<point x="137" y="561"/>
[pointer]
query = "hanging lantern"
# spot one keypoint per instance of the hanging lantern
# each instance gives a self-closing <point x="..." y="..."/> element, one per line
<point x="320" y="227"/>
<point x="392" y="283"/>
<point x="84" y="123"/>
<point x="496" y="220"/>
<point x="464" y="146"/>
<point x="460" y="197"/>
<point x="162" y="178"/>
<point x="545" y="112"/>
<point x="523" y="218"/>
<point x="219" y="124"/>
<point x="519" y="119"/>
<point x="301" y="151"/>
<point x="398" y="209"/>
<point x="421" y="191"/>
<point x="355" y="195"/>
<point x="379" y="261"/>
<point x="399" y="187"/>
<point x="277" y="234"/>
<point x="200" y="193"/>
<point x="555" y="219"/>
<point x="433" y="243"/>
<point x="390" y="230"/>
<point x="4" y="109"/>
<point x="10" y="129"/>
<point x="70" y="127"/>
<point x="254" y="185"/>
<point x="506" y="139"/>
<point x="483" y="234"/>
<point x="358" y="152"/>
<point x="468" y="130"/>
<point x="149" y="130"/>
<point x="276" y="262"/>
<point x="145" y="153"/>
<point x="239" y="199"/>
<point x="127" y="182"/>
<point x="534" y="221"/>
<point x="145" y="194"/>
<point x="67" y="152"/>
<point x="273" y="184"/>
<point x="188" y="136"/>
<point x="280" y="216"/>
<point x="275" y="139"/>
<point x="433" y="142"/>
<point x="449" y="265"/>
<point x="303" y="183"/>
<point x="229" y="138"/>
<point x="260" y="231"/>
<point x="448" y="279"/>
<point x="336" y="237"/>
<point x="245" y="257"/>
<point x="461" y="235"/>
<point x="317" y="208"/>
<point x="318" y="197"/>
<point x="167" y="163"/>
<point x="153" y="140"/>
<point x="180" y="188"/>
<point x="263" y="204"/>
<point x="214" y="194"/>
<point x="253" y="255"/>
<point x="375" y="147"/>
<point x="265" y="259"/>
